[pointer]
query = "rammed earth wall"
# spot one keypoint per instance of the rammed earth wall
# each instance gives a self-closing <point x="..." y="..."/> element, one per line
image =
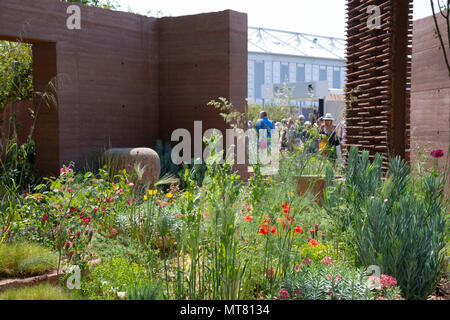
<point x="126" y="80"/>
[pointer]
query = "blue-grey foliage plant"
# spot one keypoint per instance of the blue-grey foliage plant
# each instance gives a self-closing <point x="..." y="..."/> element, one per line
<point x="393" y="223"/>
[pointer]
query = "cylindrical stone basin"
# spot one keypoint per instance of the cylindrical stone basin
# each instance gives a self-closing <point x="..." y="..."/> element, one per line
<point x="145" y="159"/>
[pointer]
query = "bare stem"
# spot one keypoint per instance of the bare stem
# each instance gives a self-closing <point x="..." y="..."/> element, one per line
<point x="439" y="32"/>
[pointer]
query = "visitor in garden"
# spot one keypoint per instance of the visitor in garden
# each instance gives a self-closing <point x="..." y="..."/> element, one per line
<point x="264" y="123"/>
<point x="328" y="130"/>
<point x="290" y="134"/>
<point x="301" y="119"/>
<point x="298" y="130"/>
<point x="284" y="135"/>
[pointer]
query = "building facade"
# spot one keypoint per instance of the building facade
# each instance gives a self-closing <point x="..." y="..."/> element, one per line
<point x="276" y="57"/>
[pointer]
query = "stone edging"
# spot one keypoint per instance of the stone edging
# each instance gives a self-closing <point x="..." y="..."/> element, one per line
<point x="50" y="277"/>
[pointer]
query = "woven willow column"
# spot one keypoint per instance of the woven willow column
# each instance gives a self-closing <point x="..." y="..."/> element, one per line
<point x="379" y="76"/>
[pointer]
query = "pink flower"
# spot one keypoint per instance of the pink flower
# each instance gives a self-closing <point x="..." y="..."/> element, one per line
<point x="327" y="261"/>
<point x="65" y="170"/>
<point x="437" y="153"/>
<point x="388" y="281"/>
<point x="130" y="201"/>
<point x="306" y="261"/>
<point x="71" y="190"/>
<point x="284" y="295"/>
<point x="298" y="292"/>
<point x="381" y="298"/>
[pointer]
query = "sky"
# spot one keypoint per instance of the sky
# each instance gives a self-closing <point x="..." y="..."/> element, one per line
<point x="321" y="17"/>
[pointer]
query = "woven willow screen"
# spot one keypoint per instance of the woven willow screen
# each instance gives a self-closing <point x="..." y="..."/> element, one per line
<point x="379" y="35"/>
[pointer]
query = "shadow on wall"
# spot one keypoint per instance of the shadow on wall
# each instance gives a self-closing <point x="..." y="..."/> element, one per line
<point x="23" y="119"/>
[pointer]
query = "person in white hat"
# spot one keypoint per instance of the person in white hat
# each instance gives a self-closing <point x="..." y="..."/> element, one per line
<point x="301" y="119"/>
<point x="329" y="129"/>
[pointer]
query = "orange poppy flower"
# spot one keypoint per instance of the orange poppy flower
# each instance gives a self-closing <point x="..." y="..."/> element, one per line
<point x="313" y="243"/>
<point x="248" y="218"/>
<point x="273" y="230"/>
<point x="298" y="229"/>
<point x="285" y="207"/>
<point x="263" y="230"/>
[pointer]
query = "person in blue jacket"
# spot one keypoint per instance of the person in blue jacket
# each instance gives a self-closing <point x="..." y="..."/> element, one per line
<point x="264" y="123"/>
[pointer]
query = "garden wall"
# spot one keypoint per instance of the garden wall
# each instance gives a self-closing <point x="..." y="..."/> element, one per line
<point x="125" y="80"/>
<point x="23" y="116"/>
<point x="430" y="104"/>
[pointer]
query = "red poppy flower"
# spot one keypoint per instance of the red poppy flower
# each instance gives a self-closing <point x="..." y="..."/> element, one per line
<point x="248" y="218"/>
<point x="285" y="207"/>
<point x="298" y="229"/>
<point x="437" y="153"/>
<point x="273" y="230"/>
<point x="263" y="230"/>
<point x="45" y="217"/>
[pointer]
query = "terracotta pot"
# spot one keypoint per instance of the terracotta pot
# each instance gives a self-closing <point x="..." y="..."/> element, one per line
<point x="314" y="185"/>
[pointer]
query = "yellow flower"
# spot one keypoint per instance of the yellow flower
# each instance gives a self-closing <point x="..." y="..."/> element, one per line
<point x="152" y="192"/>
<point x="145" y="197"/>
<point x="169" y="195"/>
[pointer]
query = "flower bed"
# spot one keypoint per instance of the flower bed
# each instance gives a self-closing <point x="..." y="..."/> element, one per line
<point x="220" y="238"/>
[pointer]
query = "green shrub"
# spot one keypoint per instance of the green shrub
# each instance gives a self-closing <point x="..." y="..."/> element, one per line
<point x="148" y="291"/>
<point x="164" y="151"/>
<point x="25" y="260"/>
<point x="394" y="224"/>
<point x="39" y="292"/>
<point x="333" y="282"/>
<point x="112" y="277"/>
<point x="317" y="253"/>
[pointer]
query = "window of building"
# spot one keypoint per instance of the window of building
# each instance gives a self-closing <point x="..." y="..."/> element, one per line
<point x="323" y="73"/>
<point x="301" y="73"/>
<point x="284" y="72"/>
<point x="337" y="79"/>
<point x="259" y="79"/>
